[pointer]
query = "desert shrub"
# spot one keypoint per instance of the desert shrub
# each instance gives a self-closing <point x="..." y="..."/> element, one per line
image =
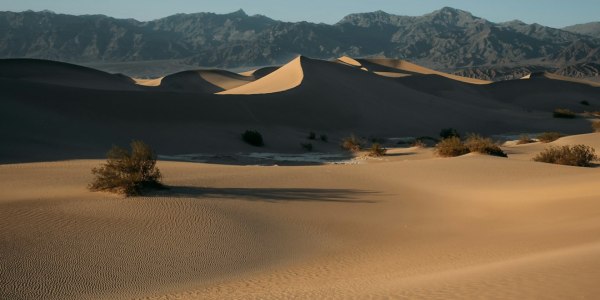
<point x="479" y="144"/>
<point x="584" y="102"/>
<point x="352" y="143"/>
<point x="307" y="146"/>
<point x="548" y="137"/>
<point x="312" y="136"/>
<point x="578" y="155"/>
<point x="253" y="138"/>
<point x="525" y="139"/>
<point x="377" y="150"/>
<point x="564" y="113"/>
<point x="324" y="138"/>
<point x="127" y="172"/>
<point x="596" y="126"/>
<point x="450" y="147"/>
<point x="448" y="133"/>
<point x="419" y="143"/>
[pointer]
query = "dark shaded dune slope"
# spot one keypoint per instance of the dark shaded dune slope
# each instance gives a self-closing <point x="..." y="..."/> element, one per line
<point x="40" y="121"/>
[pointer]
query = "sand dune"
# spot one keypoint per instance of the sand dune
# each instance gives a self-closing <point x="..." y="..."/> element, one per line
<point x="466" y="227"/>
<point x="204" y="81"/>
<point x="63" y="74"/>
<point x="282" y="79"/>
<point x="562" y="78"/>
<point x="259" y="73"/>
<point x="62" y="122"/>
<point x="391" y="65"/>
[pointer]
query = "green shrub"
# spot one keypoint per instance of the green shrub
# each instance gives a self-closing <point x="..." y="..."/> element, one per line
<point x="312" y="136"/>
<point x="352" y="143"/>
<point x="448" y="133"/>
<point x="450" y="147"/>
<point x="548" y="137"/>
<point x="578" y="155"/>
<point x="127" y="172"/>
<point x="525" y="139"/>
<point x="479" y="144"/>
<point x="596" y="126"/>
<point x="324" y="138"/>
<point x="307" y="146"/>
<point x="253" y="138"/>
<point x="584" y="102"/>
<point x="564" y="113"/>
<point x="377" y="150"/>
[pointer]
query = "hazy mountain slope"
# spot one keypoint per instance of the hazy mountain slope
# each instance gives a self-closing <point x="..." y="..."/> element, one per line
<point x="446" y="39"/>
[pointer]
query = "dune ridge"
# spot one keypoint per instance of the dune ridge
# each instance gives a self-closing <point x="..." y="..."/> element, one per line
<point x="285" y="78"/>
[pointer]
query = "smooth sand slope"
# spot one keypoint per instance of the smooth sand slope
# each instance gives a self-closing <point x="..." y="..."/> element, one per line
<point x="458" y="228"/>
<point x="387" y="66"/>
<point x="282" y="79"/>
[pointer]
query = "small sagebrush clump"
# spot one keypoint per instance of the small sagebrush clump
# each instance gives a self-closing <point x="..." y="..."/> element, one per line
<point x="450" y="147"/>
<point x="596" y="126"/>
<point x="377" y="150"/>
<point x="128" y="173"/>
<point x="564" y="113"/>
<point x="352" y="143"/>
<point x="548" y="137"/>
<point x="312" y="135"/>
<point x="584" y="102"/>
<point x="253" y="138"/>
<point x="479" y="144"/>
<point x="324" y="138"/>
<point x="578" y="155"/>
<point x="525" y="139"/>
<point x="419" y="143"/>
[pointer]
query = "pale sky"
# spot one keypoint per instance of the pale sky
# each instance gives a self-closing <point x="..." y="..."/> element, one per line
<point x="554" y="13"/>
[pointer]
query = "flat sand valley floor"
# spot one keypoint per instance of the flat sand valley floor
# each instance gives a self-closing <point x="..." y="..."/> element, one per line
<point x="410" y="225"/>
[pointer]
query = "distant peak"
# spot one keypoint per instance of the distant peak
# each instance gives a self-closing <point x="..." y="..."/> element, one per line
<point x="240" y="12"/>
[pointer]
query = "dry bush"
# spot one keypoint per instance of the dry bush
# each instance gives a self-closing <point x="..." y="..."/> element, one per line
<point x="548" y="137"/>
<point x="578" y="155"/>
<point x="352" y="143"/>
<point x="312" y="135"/>
<point x="479" y="144"/>
<point x="451" y="147"/>
<point x="127" y="173"/>
<point x="596" y="126"/>
<point x="419" y="143"/>
<point x="377" y="150"/>
<point x="525" y="139"/>
<point x="564" y="113"/>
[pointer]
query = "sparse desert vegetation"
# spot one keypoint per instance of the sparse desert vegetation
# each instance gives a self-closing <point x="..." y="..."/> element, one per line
<point x="352" y="143"/>
<point x="324" y="138"/>
<point x="128" y="172"/>
<point x="548" y="137"/>
<point x="577" y="155"/>
<point x="451" y="147"/>
<point x="482" y="145"/>
<point x="312" y="135"/>
<point x="419" y="143"/>
<point x="253" y="138"/>
<point x="377" y="150"/>
<point x="563" y="113"/>
<point x="525" y="139"/>
<point x="596" y="126"/>
<point x="584" y="102"/>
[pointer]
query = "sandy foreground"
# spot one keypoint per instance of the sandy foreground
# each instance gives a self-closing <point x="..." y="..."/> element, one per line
<point x="409" y="225"/>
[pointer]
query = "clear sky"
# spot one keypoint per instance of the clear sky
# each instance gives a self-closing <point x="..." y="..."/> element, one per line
<point x="554" y="13"/>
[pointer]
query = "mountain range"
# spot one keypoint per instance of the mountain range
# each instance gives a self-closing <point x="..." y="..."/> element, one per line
<point x="448" y="39"/>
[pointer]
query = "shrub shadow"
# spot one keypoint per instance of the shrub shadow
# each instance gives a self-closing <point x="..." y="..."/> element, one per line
<point x="273" y="195"/>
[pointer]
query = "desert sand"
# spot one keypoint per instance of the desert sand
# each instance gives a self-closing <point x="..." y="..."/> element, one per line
<point x="408" y="225"/>
<point x="428" y="228"/>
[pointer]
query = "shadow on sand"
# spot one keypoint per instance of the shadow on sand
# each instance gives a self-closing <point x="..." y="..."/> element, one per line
<point x="267" y="194"/>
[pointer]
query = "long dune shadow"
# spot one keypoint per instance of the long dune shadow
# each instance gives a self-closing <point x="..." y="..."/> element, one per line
<point x="268" y="194"/>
